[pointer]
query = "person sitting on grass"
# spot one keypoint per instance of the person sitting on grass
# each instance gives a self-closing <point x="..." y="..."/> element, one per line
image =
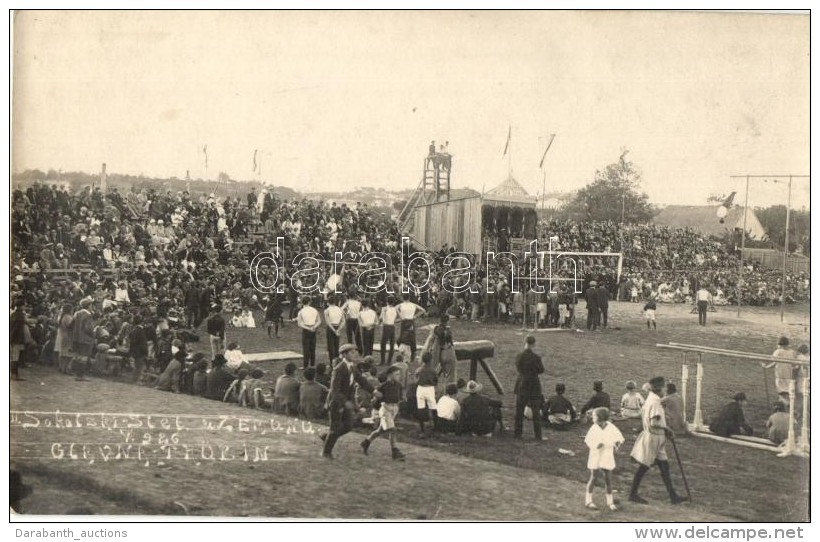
<point x="311" y="396"/>
<point x="477" y="412"/>
<point x="235" y="358"/>
<point x="631" y="402"/>
<point x="558" y="411"/>
<point x="251" y="392"/>
<point x="777" y="426"/>
<point x="232" y="393"/>
<point x="599" y="399"/>
<point x="603" y="439"/>
<point x="391" y="396"/>
<point x="199" y="385"/>
<point x="286" y="391"/>
<point x="731" y="421"/>
<point x="219" y="379"/>
<point x="448" y="411"/>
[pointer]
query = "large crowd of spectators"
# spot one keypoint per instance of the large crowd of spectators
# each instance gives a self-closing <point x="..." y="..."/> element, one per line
<point x="165" y="261"/>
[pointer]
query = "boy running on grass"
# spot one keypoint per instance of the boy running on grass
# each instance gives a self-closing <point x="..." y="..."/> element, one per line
<point x="603" y="440"/>
<point x="391" y="395"/>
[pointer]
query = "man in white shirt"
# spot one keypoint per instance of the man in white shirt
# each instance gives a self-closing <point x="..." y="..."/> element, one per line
<point x="367" y="327"/>
<point x="309" y="320"/>
<point x="408" y="311"/>
<point x="335" y="320"/>
<point x="704" y="298"/>
<point x="448" y="410"/>
<point x="388" y="318"/>
<point x="351" y="308"/>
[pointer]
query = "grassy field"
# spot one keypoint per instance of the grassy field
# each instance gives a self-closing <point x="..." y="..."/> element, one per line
<point x="728" y="482"/>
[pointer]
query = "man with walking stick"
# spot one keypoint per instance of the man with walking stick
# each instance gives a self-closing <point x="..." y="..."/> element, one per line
<point x="650" y="446"/>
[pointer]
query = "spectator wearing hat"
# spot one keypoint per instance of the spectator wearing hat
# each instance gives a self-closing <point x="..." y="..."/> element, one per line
<point x="599" y="398"/>
<point x="528" y="388"/>
<point x="340" y="397"/>
<point x="391" y="391"/>
<point x="731" y="420"/>
<point x="309" y="320"/>
<point x="82" y="339"/>
<point x="558" y="411"/>
<point x="477" y="412"/>
<point x="673" y="408"/>
<point x="631" y="402"/>
<point x="591" y="296"/>
<point x="650" y="446"/>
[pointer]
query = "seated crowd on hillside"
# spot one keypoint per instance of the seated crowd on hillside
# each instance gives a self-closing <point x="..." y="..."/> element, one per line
<point x="168" y="259"/>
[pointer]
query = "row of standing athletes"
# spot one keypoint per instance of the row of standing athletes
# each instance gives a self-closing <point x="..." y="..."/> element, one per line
<point x="357" y="321"/>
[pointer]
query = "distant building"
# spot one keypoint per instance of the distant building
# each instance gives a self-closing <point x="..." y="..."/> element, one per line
<point x="703" y="218"/>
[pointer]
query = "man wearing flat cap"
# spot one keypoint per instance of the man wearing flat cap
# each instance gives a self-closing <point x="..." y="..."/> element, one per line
<point x="340" y="406"/>
<point x="650" y="446"/>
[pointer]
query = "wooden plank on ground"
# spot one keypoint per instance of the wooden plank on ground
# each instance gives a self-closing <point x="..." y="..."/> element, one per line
<point x="273" y="356"/>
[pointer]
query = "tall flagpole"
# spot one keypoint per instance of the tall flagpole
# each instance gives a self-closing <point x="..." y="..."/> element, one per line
<point x="509" y="155"/>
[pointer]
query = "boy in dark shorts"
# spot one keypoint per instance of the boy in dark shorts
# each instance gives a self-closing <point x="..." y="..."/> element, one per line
<point x="391" y="391"/>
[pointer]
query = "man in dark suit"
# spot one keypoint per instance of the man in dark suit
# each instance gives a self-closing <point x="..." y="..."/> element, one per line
<point x="592" y="306"/>
<point x="603" y="305"/>
<point x="528" y="388"/>
<point x="340" y="405"/>
<point x="192" y="302"/>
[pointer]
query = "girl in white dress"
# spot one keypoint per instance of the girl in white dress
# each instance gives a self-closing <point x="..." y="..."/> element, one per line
<point x="603" y="440"/>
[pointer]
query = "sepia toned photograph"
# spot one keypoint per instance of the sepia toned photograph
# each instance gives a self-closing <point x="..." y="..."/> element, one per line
<point x="530" y="266"/>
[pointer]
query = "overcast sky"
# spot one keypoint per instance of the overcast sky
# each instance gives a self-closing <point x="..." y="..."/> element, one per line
<point x="338" y="99"/>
